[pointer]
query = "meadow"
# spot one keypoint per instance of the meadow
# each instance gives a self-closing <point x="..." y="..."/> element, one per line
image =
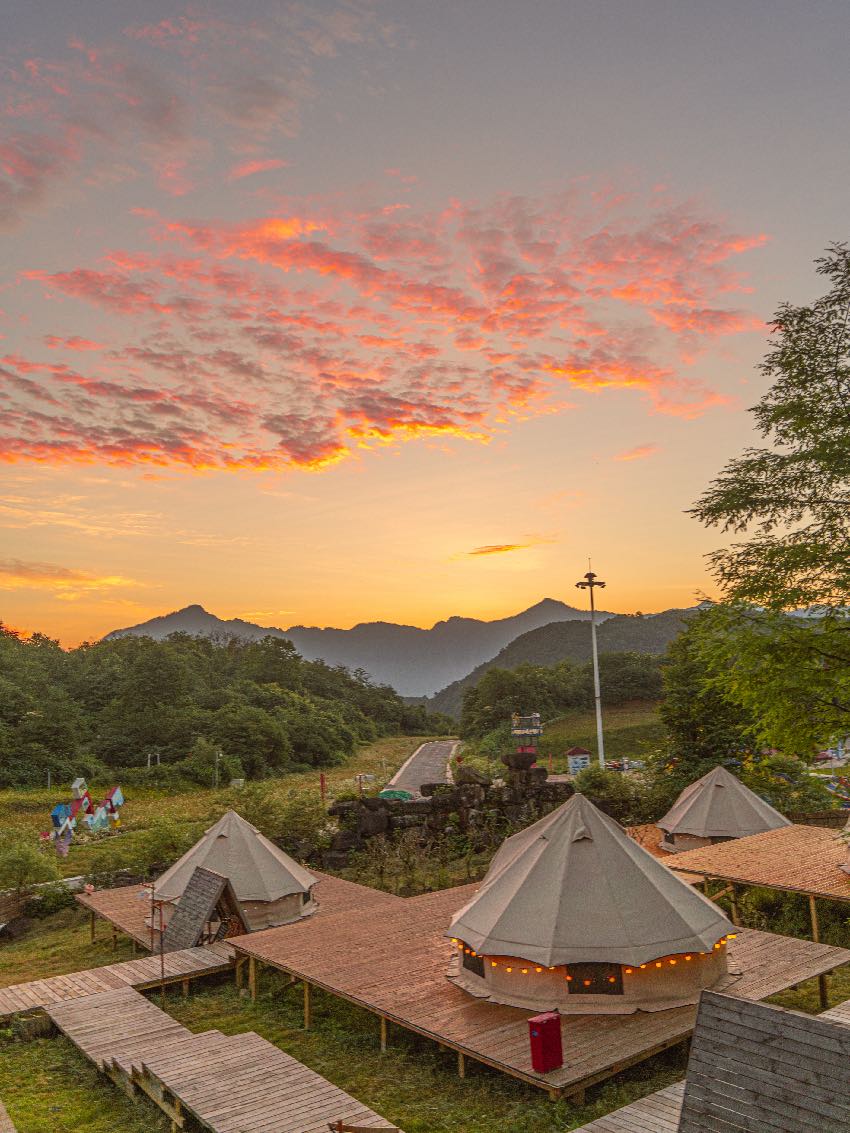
<point x="24" y="813"/>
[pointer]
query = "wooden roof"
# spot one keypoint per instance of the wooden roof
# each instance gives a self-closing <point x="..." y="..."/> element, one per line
<point x="758" y="1067"/>
<point x="391" y="958"/>
<point x="206" y="895"/>
<point x="798" y="859"/>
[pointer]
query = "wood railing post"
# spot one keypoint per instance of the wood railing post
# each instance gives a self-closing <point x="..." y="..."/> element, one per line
<point x="308" y="1007"/>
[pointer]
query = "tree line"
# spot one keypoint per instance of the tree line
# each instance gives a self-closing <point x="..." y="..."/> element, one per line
<point x="189" y="706"/>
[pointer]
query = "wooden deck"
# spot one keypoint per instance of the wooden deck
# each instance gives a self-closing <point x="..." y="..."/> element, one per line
<point x="838" y="1014"/>
<point x="6" y="1125"/>
<point x="228" y="1083"/>
<point x="656" y="1113"/>
<point x="180" y="967"/>
<point x="796" y="859"/>
<point x="126" y="910"/>
<point x="392" y="959"/>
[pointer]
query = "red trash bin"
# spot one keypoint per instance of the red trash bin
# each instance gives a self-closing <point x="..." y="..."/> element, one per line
<point x="544" y="1036"/>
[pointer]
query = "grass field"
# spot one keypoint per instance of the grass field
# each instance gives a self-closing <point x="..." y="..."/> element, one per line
<point x="47" y="1085"/>
<point x="27" y="812"/>
<point x="629" y="730"/>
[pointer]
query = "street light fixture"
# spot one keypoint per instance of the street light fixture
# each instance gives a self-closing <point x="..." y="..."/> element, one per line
<point x="590" y="582"/>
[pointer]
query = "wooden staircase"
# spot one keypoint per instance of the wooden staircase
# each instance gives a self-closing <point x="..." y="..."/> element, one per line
<point x="228" y="1083"/>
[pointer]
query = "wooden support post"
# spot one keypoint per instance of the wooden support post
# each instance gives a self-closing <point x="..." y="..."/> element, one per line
<point x="705" y="887"/>
<point x="239" y="971"/>
<point x="178" y="1109"/>
<point x="383" y="1035"/>
<point x="736" y="912"/>
<point x="252" y="976"/>
<point x="554" y="1094"/>
<point x="133" y="948"/>
<point x="461" y="1064"/>
<point x="185" y="986"/>
<point x="577" y="1098"/>
<point x="813" y="914"/>
<point x="114" y="939"/>
<point x="308" y="1007"/>
<point x="822" y="993"/>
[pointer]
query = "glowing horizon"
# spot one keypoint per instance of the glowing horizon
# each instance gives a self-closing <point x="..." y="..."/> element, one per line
<point x="316" y="311"/>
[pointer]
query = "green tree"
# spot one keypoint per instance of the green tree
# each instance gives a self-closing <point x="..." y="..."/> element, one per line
<point x="793" y="497"/>
<point x="705" y="726"/>
<point x="23" y="865"/>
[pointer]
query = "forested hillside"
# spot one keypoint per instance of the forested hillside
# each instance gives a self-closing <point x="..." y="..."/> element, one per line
<point x="569" y="641"/>
<point x="118" y="704"/>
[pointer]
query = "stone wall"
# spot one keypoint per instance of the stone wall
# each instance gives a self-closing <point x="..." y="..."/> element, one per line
<point x="474" y="806"/>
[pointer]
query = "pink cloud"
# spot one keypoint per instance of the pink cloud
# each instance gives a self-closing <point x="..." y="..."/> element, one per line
<point x="249" y="168"/>
<point x="639" y="452"/>
<point x="302" y="337"/>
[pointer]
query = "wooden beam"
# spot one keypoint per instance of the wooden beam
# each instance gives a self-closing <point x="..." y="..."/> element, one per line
<point x="822" y="993"/>
<point x="185" y="986"/>
<point x="461" y="1064"/>
<point x="308" y="1007"/>
<point x="239" y="970"/>
<point x="252" y="976"/>
<point x="813" y="914"/>
<point x="383" y="1034"/>
<point x="736" y="912"/>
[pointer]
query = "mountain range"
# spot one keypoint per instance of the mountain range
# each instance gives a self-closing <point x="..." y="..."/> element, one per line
<point x="567" y="641"/>
<point x="416" y="662"/>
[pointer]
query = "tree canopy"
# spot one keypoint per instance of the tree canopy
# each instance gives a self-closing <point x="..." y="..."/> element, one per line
<point x="179" y="702"/>
<point x="793" y="497"/>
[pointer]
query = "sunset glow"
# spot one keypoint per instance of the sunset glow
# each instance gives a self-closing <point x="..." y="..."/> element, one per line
<point x="310" y="309"/>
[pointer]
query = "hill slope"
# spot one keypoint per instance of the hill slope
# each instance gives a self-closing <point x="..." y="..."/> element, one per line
<point x="415" y="662"/>
<point x="570" y="641"/>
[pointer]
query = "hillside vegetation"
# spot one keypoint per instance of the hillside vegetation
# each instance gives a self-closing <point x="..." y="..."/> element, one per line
<point x="569" y="641"/>
<point x="123" y="704"/>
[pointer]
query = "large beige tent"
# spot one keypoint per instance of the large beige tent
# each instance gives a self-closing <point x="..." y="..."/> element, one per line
<point x="270" y="887"/>
<point x="573" y="913"/>
<point x="716" y="808"/>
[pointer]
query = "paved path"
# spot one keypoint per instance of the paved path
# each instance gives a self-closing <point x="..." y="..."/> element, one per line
<point x="426" y="765"/>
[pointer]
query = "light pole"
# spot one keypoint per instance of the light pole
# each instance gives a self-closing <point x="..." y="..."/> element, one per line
<point x="591" y="581"/>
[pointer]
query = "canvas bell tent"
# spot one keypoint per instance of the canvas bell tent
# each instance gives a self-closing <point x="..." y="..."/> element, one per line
<point x="575" y="915"/>
<point x="716" y="808"/>
<point x="270" y="887"/>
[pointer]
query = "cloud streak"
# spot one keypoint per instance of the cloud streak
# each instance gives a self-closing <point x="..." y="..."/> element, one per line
<point x="305" y="336"/>
<point x="63" y="582"/>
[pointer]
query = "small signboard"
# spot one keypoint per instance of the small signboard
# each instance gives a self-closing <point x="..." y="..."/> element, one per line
<point x="578" y="763"/>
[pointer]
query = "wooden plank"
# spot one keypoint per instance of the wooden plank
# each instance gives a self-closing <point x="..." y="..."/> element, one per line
<point x="754" y="1067"/>
<point x="657" y="1113"/>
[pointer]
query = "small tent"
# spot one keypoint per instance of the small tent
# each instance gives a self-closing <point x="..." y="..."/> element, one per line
<point x="576" y="915"/>
<point x="716" y="808"/>
<point x="271" y="888"/>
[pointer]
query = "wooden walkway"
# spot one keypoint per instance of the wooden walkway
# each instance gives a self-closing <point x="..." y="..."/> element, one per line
<point x="125" y="911"/>
<point x="180" y="967"/>
<point x="6" y="1125"/>
<point x="392" y="958"/>
<point x="228" y="1083"/>
<point x="660" y="1112"/>
<point x="838" y="1014"/>
<point x="656" y="1113"/>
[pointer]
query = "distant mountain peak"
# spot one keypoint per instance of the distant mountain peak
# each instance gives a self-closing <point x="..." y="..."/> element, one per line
<point x="414" y="661"/>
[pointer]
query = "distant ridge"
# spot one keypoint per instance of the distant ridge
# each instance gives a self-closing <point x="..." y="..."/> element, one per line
<point x="566" y="641"/>
<point x="415" y="662"/>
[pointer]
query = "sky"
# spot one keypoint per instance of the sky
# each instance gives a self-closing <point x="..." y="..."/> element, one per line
<point x="329" y="312"/>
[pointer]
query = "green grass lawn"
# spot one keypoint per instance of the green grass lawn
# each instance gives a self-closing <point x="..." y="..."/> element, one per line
<point x="25" y="813"/>
<point x="47" y="1085"/>
<point x="629" y="730"/>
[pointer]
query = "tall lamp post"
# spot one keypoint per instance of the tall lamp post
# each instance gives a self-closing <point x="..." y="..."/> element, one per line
<point x="589" y="583"/>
